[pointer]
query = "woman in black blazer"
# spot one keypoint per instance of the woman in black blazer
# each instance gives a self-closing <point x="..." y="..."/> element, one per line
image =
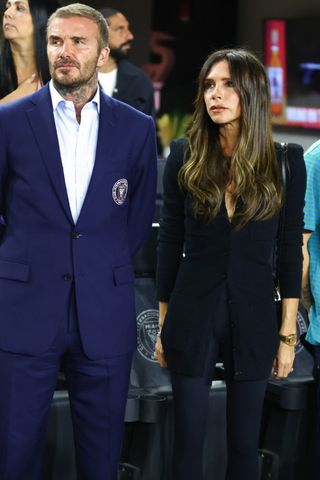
<point x="222" y="197"/>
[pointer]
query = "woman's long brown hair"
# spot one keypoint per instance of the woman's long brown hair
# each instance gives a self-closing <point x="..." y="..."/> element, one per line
<point x="253" y="170"/>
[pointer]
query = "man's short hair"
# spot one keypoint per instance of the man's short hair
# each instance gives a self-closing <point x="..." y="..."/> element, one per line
<point x="81" y="10"/>
<point x="108" y="12"/>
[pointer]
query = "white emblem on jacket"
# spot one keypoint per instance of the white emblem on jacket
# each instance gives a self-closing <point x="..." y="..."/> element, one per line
<point x="120" y="190"/>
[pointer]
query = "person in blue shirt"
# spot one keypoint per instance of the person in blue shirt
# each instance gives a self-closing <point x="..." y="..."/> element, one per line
<point x="311" y="264"/>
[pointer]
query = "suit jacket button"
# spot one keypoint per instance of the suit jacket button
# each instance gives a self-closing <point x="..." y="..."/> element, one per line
<point x="67" y="277"/>
<point x="76" y="235"/>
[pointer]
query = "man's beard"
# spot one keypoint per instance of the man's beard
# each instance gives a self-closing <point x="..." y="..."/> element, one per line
<point x="69" y="86"/>
<point x="120" y="53"/>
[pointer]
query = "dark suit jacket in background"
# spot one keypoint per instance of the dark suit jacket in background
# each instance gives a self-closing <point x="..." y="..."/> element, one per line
<point x="223" y="263"/>
<point x="134" y="87"/>
<point x="43" y="253"/>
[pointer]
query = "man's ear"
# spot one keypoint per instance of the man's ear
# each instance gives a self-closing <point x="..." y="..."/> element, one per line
<point x="103" y="57"/>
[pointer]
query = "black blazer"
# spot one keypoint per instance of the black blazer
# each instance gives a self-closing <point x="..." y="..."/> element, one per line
<point x="134" y="87"/>
<point x="222" y="263"/>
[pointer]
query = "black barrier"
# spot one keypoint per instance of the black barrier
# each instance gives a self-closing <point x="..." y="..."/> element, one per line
<point x="128" y="472"/>
<point x="304" y="360"/>
<point x="288" y="426"/>
<point x="145" y="261"/>
<point x="269" y="465"/>
<point x="146" y="372"/>
<point x="149" y="445"/>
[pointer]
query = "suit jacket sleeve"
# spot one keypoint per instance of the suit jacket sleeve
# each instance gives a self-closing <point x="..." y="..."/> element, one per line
<point x="171" y="237"/>
<point x="290" y="268"/>
<point x="143" y="191"/>
<point x="3" y="169"/>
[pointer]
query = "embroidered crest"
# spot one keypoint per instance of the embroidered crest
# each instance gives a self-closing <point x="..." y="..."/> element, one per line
<point x="120" y="190"/>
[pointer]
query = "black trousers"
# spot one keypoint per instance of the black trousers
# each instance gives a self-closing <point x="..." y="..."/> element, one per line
<point x="244" y="410"/>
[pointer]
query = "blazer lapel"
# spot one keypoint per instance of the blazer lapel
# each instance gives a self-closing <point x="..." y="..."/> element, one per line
<point x="106" y="143"/>
<point x="42" y="123"/>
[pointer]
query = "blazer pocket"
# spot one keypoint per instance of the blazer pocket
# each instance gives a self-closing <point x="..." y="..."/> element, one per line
<point x="123" y="274"/>
<point x="14" y="270"/>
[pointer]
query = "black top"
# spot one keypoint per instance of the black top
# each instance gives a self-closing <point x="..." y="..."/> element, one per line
<point x="220" y="262"/>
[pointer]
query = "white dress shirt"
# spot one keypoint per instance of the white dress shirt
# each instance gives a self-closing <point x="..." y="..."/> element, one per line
<point x="77" y="143"/>
<point x="108" y="81"/>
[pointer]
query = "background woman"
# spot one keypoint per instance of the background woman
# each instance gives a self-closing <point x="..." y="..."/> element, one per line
<point x="23" y="60"/>
<point x="222" y="196"/>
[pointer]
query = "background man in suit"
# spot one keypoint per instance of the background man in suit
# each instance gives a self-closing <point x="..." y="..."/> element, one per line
<point x="77" y="191"/>
<point x="120" y="78"/>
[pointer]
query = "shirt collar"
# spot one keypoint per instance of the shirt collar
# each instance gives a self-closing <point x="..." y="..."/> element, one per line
<point x="56" y="98"/>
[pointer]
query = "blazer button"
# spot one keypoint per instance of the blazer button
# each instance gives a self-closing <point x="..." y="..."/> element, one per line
<point x="67" y="277"/>
<point x="76" y="235"/>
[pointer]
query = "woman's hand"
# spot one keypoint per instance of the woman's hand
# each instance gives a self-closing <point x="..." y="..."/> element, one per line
<point x="159" y="353"/>
<point x="283" y="363"/>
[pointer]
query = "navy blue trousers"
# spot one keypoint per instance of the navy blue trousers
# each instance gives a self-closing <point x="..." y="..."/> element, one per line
<point x="98" y="394"/>
<point x="244" y="411"/>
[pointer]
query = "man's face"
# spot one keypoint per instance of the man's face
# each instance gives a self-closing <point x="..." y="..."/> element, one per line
<point x="74" y="52"/>
<point x="120" y="37"/>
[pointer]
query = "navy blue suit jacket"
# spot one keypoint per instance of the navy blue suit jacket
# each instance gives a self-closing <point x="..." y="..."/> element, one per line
<point x="43" y="253"/>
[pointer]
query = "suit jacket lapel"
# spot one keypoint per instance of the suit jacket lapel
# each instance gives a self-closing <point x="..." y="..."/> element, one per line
<point x="104" y="153"/>
<point x="42" y="123"/>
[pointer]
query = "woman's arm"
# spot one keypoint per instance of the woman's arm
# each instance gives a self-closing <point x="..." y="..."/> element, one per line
<point x="171" y="234"/>
<point x="282" y="364"/>
<point x="171" y="237"/>
<point x="25" y="88"/>
<point x="290" y="268"/>
<point x="159" y="353"/>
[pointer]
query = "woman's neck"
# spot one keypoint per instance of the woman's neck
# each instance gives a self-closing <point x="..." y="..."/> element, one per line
<point x="229" y="137"/>
<point x="24" y="60"/>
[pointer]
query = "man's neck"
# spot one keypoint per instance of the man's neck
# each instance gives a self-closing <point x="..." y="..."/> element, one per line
<point x="80" y="96"/>
<point x="109" y="66"/>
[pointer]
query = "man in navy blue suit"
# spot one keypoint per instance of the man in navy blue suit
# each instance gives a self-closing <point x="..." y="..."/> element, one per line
<point x="77" y="191"/>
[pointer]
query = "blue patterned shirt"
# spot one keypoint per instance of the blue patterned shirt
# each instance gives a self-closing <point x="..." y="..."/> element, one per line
<point x="312" y="222"/>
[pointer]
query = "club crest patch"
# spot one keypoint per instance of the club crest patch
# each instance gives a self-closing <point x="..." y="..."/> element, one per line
<point x="147" y="329"/>
<point x="120" y="190"/>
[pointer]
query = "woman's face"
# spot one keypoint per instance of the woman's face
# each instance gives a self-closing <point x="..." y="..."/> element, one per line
<point x="221" y="97"/>
<point x="17" y="20"/>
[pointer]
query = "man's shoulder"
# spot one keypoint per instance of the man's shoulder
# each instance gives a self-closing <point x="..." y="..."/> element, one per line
<point x="123" y="109"/>
<point x="124" y="66"/>
<point x="313" y="152"/>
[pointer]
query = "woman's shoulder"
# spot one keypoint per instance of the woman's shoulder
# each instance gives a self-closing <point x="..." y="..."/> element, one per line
<point x="178" y="148"/>
<point x="179" y="145"/>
